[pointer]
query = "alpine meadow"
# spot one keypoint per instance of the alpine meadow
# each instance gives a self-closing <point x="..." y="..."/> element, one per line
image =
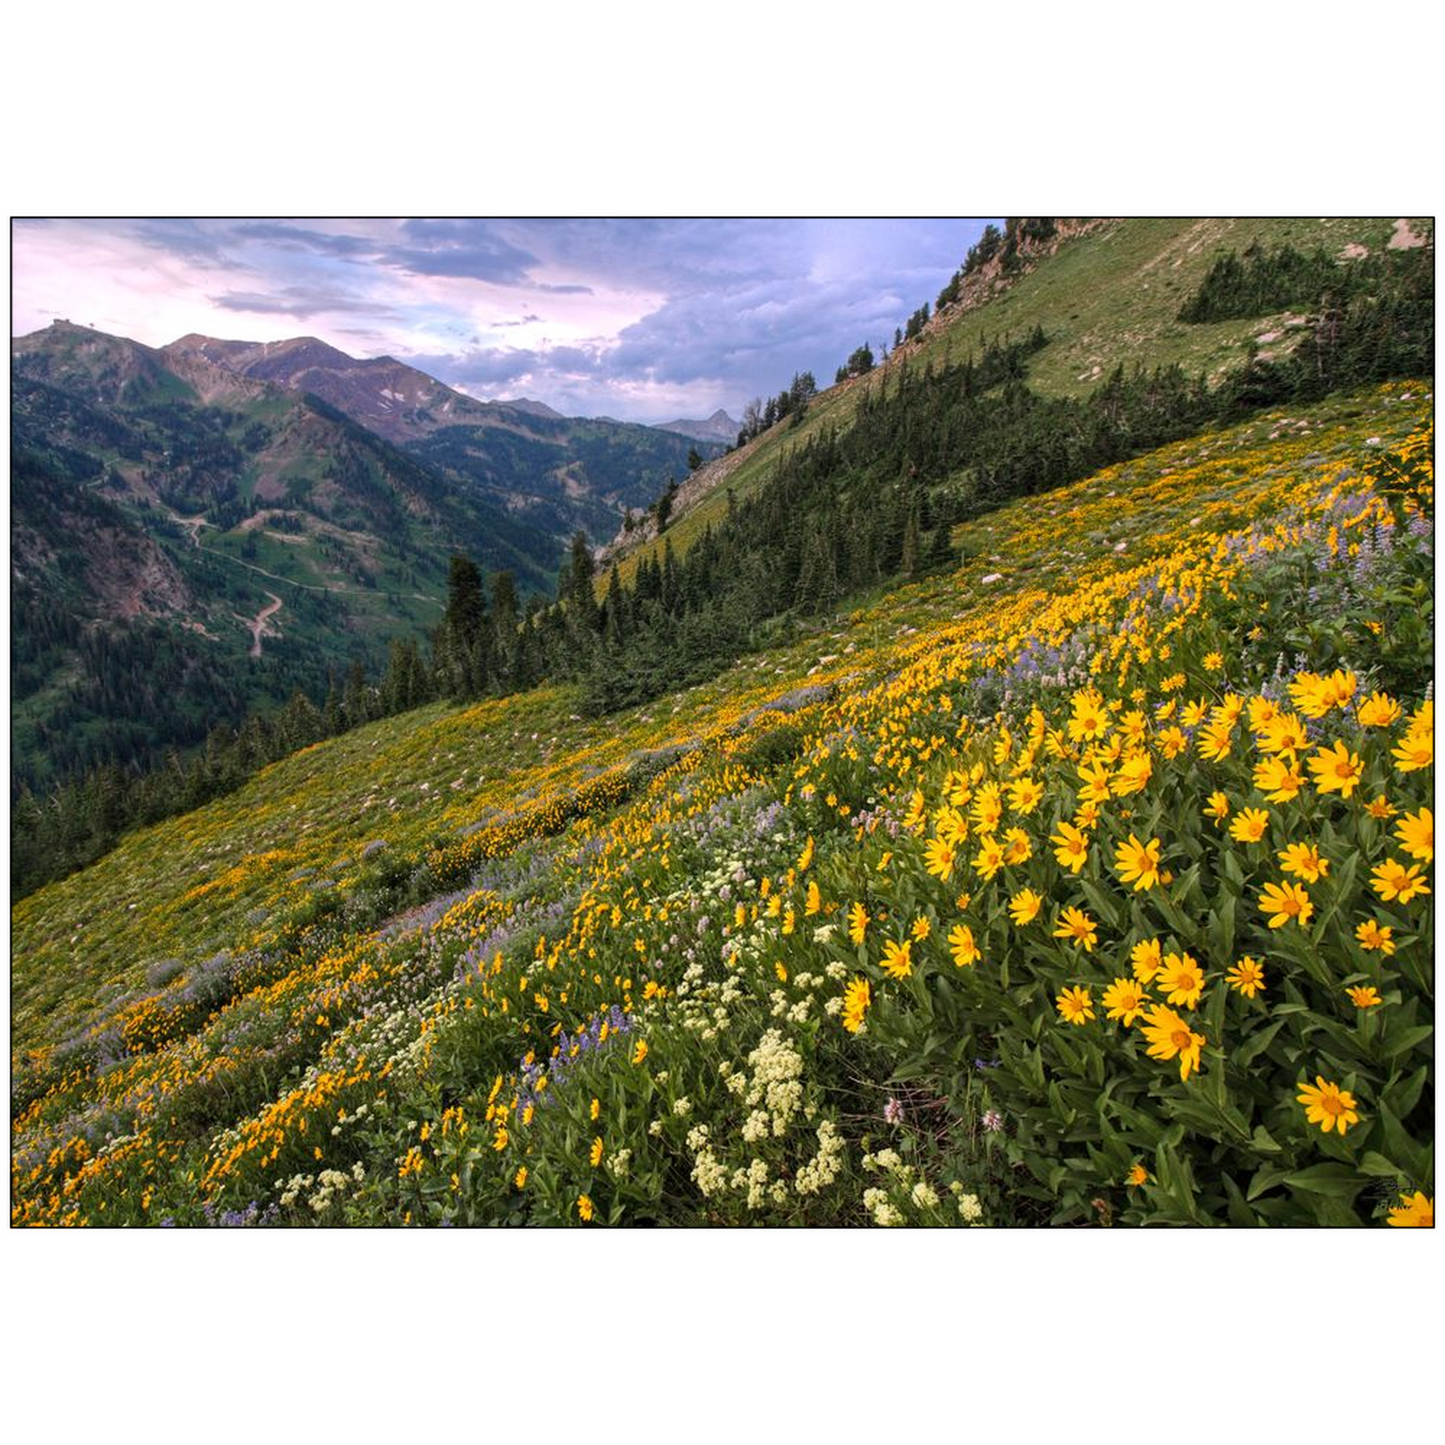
<point x="989" y="783"/>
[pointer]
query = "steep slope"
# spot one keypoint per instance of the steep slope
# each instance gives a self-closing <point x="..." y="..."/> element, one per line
<point x="498" y="964"/>
<point x="1105" y="293"/>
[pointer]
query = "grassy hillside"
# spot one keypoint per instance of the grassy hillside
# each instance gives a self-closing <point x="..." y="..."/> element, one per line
<point x="1110" y="294"/>
<point x="832" y="938"/>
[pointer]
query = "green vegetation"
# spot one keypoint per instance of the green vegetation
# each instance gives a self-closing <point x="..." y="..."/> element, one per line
<point x="1113" y="290"/>
<point x="500" y="963"/>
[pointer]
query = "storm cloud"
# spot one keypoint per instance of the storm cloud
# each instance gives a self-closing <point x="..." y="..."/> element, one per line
<point x="645" y="319"/>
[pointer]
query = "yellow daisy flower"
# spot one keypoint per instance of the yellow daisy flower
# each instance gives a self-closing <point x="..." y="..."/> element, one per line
<point x="965" y="950"/>
<point x="1328" y="1105"/>
<point x="1075" y="1005"/>
<point x="1247" y="976"/>
<point x="1078" y="927"/>
<point x="1415" y="1210"/>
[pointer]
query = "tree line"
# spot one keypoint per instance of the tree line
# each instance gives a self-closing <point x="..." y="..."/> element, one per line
<point x="839" y="514"/>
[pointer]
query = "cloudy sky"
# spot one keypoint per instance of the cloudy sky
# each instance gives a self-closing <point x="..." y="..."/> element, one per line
<point x="641" y="320"/>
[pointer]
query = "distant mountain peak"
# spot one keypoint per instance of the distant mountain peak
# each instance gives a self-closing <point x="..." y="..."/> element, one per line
<point x="719" y="427"/>
<point x="532" y="408"/>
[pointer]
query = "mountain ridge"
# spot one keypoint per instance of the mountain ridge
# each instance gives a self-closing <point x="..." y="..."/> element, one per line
<point x="719" y="427"/>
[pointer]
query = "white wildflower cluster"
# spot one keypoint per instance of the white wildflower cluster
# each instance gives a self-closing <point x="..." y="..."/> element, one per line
<point x="769" y="1089"/>
<point x="969" y="1209"/>
<point x="682" y="1107"/>
<point x="907" y="1194"/>
<point x="705" y="1007"/>
<point x="343" y="1119"/>
<point x="777" y="1074"/>
<point x="620" y="1163"/>
<point x="754" y="1179"/>
<point x="823" y="1168"/>
<point x="758" y="1125"/>
<point x="332" y="1184"/>
<point x="883" y="1210"/>
<point x="708" y="1174"/>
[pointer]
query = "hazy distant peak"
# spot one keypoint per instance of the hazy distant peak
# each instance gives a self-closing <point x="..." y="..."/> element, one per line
<point x="719" y="427"/>
<point x="532" y="408"/>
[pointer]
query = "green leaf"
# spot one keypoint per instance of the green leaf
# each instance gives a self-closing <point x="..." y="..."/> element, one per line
<point x="1340" y="1181"/>
<point x="1378" y="1167"/>
<point x="1406" y="1040"/>
<point x="1257" y="1042"/>
<point x="1240" y="1213"/>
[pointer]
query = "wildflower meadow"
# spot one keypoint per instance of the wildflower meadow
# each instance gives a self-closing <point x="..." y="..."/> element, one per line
<point x="1089" y="883"/>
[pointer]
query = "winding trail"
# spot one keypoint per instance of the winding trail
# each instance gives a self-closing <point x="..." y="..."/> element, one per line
<point x="196" y="523"/>
<point x="258" y="623"/>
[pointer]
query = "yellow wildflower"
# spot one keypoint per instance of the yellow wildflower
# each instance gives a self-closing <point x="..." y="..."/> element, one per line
<point x="1077" y="926"/>
<point x="1024" y="906"/>
<point x="1249" y="826"/>
<point x="1328" y="1105"/>
<point x="857" y="922"/>
<point x="1147" y="958"/>
<point x="1247" y="976"/>
<point x="1415" y="1210"/>
<point x="1303" y="860"/>
<point x="1393" y="881"/>
<point x="1171" y="1037"/>
<point x="1286" y="901"/>
<point x="856" y="999"/>
<point x="1181" y="977"/>
<point x="938" y="858"/>
<point x="1125" y="1000"/>
<point x="1138" y="863"/>
<point x="1217" y="807"/>
<point x="1416" y="832"/>
<point x="1375" y="937"/>
<point x="1379" y="710"/>
<point x="1278" y="779"/>
<point x="1075" y="1005"/>
<point x="897" y="959"/>
<point x="965" y="950"/>
<point x="1073" y="849"/>
<point x="1336" y="769"/>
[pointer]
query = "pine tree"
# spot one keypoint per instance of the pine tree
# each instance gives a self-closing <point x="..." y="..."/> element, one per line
<point x="581" y="592"/>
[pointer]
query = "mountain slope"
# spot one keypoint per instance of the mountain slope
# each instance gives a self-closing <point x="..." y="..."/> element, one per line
<point x="550" y="472"/>
<point x="159" y="503"/>
<point x="1104" y="292"/>
<point x="384" y="395"/>
<point x="496" y="964"/>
